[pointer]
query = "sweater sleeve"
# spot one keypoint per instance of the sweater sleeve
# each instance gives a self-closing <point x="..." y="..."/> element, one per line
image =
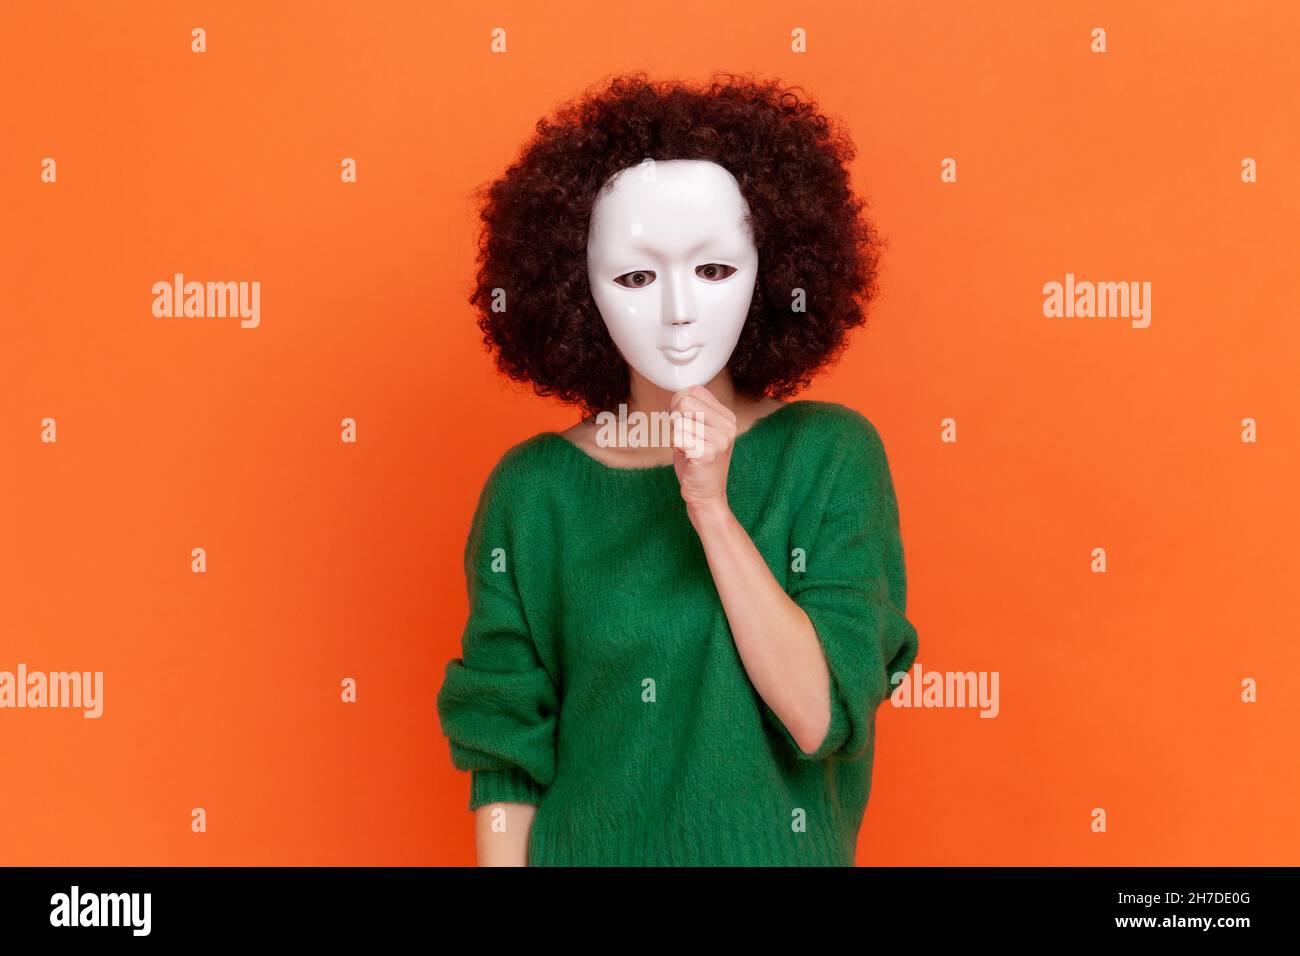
<point x="854" y="591"/>
<point x="498" y="705"/>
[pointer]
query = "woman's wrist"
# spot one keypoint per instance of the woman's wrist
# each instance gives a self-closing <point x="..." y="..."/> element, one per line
<point x="708" y="513"/>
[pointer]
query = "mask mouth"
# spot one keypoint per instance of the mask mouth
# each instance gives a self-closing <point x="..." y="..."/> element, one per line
<point x="682" y="356"/>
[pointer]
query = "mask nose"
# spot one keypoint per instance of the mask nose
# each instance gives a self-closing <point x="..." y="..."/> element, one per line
<point x="679" y="303"/>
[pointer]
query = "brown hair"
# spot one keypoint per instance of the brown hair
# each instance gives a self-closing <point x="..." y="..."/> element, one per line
<point x="791" y="163"/>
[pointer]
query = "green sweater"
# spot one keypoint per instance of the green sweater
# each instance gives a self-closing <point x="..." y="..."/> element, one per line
<point x="600" y="680"/>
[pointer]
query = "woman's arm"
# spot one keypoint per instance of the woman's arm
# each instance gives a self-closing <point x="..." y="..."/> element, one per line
<point x="501" y="833"/>
<point x="774" y="636"/>
<point x="498" y="705"/>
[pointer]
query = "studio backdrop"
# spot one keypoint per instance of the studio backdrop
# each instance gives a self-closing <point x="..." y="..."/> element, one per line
<point x="243" y="529"/>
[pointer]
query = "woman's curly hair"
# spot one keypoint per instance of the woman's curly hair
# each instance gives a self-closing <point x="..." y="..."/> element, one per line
<point x="791" y="163"/>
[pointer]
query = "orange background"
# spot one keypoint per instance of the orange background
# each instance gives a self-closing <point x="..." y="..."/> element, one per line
<point x="329" y="560"/>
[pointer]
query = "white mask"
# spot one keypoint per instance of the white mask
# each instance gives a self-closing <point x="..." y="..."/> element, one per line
<point x="671" y="264"/>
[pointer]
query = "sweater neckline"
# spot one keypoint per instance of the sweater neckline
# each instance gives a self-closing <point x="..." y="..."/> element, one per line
<point x="741" y="441"/>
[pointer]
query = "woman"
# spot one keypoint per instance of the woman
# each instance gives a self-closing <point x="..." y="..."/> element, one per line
<point x="676" y="648"/>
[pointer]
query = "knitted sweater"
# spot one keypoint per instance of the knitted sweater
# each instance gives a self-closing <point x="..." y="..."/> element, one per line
<point x="599" y="679"/>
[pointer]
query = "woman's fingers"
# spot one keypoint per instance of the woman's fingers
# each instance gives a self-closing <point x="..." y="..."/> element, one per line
<point x="704" y="395"/>
<point x="699" y="441"/>
<point x="697" y="396"/>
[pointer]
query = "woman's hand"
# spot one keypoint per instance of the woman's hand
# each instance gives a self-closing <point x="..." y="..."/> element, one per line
<point x="774" y="636"/>
<point x="704" y="432"/>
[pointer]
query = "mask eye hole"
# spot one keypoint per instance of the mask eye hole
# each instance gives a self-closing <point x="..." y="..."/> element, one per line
<point x="715" y="271"/>
<point x="636" y="280"/>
